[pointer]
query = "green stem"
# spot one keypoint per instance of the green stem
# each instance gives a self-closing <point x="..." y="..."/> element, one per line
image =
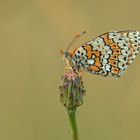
<point x="72" y="118"/>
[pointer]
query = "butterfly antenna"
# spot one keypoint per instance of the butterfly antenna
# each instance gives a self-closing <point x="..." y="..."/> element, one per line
<point x="75" y="39"/>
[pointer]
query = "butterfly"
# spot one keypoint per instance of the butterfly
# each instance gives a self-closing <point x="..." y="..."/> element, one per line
<point x="107" y="55"/>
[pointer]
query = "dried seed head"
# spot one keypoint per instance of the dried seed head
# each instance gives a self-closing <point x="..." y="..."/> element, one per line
<point x="71" y="90"/>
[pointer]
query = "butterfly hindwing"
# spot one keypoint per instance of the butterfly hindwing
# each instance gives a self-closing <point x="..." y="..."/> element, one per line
<point x="109" y="54"/>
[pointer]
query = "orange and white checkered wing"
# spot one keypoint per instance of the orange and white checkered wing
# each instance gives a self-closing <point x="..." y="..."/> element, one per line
<point x="109" y="54"/>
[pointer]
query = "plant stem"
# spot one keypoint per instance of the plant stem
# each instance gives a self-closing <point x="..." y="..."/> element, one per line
<point x="73" y="123"/>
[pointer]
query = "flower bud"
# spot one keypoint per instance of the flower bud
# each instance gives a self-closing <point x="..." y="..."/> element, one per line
<point x="71" y="90"/>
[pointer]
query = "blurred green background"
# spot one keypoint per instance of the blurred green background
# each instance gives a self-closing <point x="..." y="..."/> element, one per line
<point x="31" y="34"/>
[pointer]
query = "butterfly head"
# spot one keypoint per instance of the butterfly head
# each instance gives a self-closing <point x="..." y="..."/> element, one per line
<point x="68" y="55"/>
<point x="65" y="54"/>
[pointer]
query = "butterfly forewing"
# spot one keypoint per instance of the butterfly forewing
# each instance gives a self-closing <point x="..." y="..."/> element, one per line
<point x="109" y="54"/>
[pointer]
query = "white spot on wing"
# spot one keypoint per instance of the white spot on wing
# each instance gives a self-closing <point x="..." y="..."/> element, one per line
<point x="91" y="61"/>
